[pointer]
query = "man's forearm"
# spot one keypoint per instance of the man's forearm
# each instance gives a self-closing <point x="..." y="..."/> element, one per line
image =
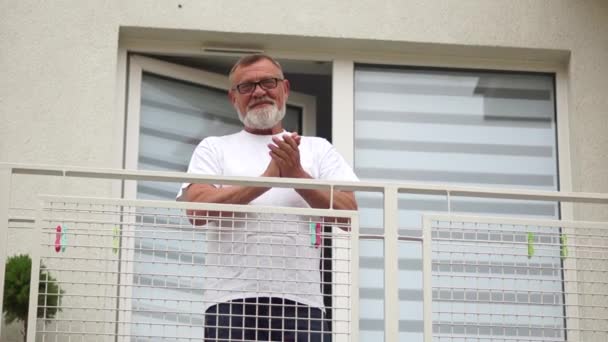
<point x="321" y="198"/>
<point x="225" y="195"/>
<point x="209" y="194"/>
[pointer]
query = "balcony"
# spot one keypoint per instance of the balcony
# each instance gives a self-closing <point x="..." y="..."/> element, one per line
<point x="138" y="270"/>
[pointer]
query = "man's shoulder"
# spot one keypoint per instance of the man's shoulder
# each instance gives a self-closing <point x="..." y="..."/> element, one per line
<point x="316" y="141"/>
<point x="220" y="139"/>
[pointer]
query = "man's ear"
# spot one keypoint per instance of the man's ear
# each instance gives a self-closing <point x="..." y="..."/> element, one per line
<point x="231" y="96"/>
<point x="286" y="86"/>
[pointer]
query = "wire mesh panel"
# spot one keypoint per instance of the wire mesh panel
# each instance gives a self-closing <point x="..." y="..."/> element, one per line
<point x="146" y="271"/>
<point x="500" y="279"/>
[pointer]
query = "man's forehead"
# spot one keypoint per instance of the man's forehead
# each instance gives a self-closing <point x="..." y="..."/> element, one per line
<point x="260" y="68"/>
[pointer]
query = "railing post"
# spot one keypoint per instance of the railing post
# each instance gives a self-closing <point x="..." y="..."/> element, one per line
<point x="391" y="264"/>
<point x="355" y="282"/>
<point x="32" y="316"/>
<point x="427" y="287"/>
<point x="5" y="193"/>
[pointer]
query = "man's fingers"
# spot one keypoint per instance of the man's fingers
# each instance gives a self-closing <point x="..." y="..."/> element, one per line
<point x="282" y="144"/>
<point x="281" y="162"/>
<point x="289" y="139"/>
<point x="280" y="153"/>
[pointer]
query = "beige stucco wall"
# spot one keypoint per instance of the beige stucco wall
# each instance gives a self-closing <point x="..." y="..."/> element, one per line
<point x="59" y="60"/>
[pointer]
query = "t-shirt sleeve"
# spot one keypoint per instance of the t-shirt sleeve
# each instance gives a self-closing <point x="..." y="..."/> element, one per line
<point x="332" y="165"/>
<point x="205" y="161"/>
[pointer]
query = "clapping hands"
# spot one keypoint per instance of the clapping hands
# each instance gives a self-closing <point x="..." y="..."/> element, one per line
<point x="285" y="153"/>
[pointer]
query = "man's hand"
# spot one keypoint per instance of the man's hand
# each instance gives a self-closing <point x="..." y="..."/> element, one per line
<point x="286" y="154"/>
<point x="272" y="170"/>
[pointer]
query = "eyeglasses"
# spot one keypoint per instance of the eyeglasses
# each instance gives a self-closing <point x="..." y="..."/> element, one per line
<point x="266" y="84"/>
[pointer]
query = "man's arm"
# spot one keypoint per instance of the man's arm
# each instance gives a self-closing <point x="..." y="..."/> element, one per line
<point x="206" y="193"/>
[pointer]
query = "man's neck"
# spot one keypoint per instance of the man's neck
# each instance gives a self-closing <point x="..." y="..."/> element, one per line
<point x="278" y="128"/>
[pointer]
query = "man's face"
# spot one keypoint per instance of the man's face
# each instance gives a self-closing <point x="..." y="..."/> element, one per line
<point x="261" y="108"/>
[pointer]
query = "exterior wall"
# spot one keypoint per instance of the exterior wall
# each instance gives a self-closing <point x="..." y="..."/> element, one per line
<point x="59" y="59"/>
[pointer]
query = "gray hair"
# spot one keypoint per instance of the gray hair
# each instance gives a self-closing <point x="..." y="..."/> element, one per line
<point x="248" y="60"/>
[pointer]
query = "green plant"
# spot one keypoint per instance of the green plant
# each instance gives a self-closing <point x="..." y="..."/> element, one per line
<point x="17" y="291"/>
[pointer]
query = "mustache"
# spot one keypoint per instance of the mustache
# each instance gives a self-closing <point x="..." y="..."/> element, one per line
<point x="261" y="100"/>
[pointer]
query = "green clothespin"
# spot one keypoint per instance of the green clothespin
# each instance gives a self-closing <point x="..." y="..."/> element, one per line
<point x="64" y="238"/>
<point x="563" y="239"/>
<point x="313" y="233"/>
<point x="530" y="245"/>
<point x="115" y="240"/>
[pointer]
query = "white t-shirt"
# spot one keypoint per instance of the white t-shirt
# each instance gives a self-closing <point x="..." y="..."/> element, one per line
<point x="264" y="255"/>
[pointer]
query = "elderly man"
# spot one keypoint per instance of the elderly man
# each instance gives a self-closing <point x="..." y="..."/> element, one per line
<point x="246" y="301"/>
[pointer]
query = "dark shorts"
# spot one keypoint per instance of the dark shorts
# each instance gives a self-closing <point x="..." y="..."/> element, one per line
<point x="265" y="319"/>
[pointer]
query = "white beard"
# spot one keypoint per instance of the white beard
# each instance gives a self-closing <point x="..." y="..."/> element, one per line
<point x="264" y="117"/>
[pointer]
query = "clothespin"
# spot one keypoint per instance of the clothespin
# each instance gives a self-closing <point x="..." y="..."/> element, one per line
<point x="563" y="239"/>
<point x="315" y="234"/>
<point x="530" y="245"/>
<point x="58" y="239"/>
<point x="115" y="239"/>
<point x="64" y="238"/>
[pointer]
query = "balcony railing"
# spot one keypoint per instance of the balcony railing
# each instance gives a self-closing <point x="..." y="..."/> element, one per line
<point x="135" y="270"/>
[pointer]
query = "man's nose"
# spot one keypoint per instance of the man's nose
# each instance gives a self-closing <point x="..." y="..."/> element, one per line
<point x="258" y="91"/>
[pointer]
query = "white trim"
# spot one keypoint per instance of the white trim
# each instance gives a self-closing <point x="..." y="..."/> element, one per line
<point x="119" y="117"/>
<point x="343" y="112"/>
<point x="456" y="62"/>
<point x="132" y="122"/>
<point x="570" y="278"/>
<point x="440" y="56"/>
<point x="180" y="72"/>
<point x="563" y="136"/>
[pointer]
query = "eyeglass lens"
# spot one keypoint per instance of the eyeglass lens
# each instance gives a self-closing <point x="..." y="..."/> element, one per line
<point x="249" y="87"/>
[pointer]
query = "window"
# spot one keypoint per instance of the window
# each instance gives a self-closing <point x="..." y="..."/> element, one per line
<point x="492" y="129"/>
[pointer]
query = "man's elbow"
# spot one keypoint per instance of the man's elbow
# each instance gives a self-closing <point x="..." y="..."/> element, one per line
<point x="351" y="202"/>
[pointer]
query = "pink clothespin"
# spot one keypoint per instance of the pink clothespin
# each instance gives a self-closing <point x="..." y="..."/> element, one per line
<point x="58" y="239"/>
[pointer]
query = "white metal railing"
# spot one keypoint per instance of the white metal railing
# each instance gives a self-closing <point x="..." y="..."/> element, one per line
<point x="389" y="236"/>
<point x="504" y="278"/>
<point x="136" y="270"/>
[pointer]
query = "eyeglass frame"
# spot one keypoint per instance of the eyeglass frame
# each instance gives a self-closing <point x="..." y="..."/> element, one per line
<point x="256" y="84"/>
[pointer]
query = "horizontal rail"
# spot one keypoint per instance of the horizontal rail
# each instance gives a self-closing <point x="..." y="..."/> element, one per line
<point x="410" y="188"/>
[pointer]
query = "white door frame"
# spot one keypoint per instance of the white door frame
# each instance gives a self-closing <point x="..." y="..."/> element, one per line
<point x="343" y="90"/>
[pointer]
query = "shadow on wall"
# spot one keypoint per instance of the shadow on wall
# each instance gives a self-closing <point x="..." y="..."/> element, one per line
<point x="11" y="332"/>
